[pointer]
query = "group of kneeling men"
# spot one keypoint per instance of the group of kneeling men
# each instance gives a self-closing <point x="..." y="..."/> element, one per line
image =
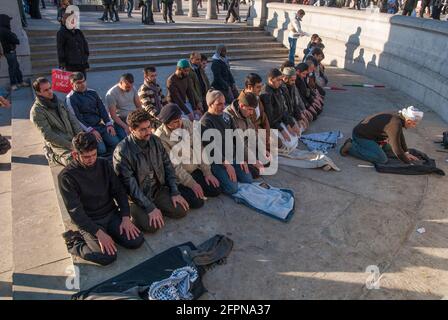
<point x="135" y="132"/>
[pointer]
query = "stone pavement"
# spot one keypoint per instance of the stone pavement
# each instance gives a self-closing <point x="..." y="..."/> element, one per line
<point x="344" y="221"/>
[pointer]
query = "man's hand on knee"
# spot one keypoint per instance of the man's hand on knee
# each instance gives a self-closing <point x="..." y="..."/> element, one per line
<point x="107" y="244"/>
<point x="132" y="232"/>
<point x="156" y="219"/>
<point x="181" y="201"/>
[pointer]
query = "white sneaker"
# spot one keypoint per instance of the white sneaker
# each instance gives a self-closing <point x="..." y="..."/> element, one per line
<point x="14" y="88"/>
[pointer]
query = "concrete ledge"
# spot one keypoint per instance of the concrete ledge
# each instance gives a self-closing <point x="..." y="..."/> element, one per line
<point x="39" y="254"/>
<point x="406" y="53"/>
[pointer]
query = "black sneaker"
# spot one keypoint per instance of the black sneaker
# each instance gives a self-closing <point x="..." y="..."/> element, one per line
<point x="71" y="237"/>
<point x="346" y="147"/>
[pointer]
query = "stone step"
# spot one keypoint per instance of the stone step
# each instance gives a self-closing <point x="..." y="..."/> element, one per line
<point x="128" y="65"/>
<point x="146" y="36"/>
<point x="44" y="55"/>
<point x="148" y="30"/>
<point x="38" y="47"/>
<point x="153" y="57"/>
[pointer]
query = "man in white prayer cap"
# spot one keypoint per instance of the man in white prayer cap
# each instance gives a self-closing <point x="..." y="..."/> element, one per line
<point x="380" y="136"/>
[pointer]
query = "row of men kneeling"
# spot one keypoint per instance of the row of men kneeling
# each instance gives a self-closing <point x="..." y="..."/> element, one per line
<point x="96" y="194"/>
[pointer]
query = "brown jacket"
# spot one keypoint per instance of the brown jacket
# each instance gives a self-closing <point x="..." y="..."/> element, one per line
<point x="183" y="171"/>
<point x="240" y="122"/>
<point x="262" y="122"/>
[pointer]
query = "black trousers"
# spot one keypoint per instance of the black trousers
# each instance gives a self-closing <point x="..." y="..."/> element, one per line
<point x="114" y="9"/>
<point x="189" y="195"/>
<point x="168" y="11"/>
<point x="108" y="13"/>
<point x="232" y="12"/>
<point x="436" y="11"/>
<point x="15" y="75"/>
<point x="147" y="15"/>
<point x="162" y="200"/>
<point x="90" y="249"/>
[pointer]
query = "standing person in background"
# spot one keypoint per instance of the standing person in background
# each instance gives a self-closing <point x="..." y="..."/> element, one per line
<point x="200" y="4"/>
<point x="22" y="13"/>
<point x="130" y="7"/>
<point x="147" y="15"/>
<point x="408" y="7"/>
<point x="108" y="14"/>
<point x="34" y="10"/>
<point x="9" y="41"/>
<point x="436" y="9"/>
<point x="168" y="10"/>
<point x="232" y="11"/>
<point x="114" y="8"/>
<point x="295" y="32"/>
<point x="73" y="50"/>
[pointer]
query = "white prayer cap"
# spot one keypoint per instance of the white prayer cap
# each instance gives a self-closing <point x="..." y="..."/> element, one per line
<point x="412" y="113"/>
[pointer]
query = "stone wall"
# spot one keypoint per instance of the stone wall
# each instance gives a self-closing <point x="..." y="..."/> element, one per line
<point x="409" y="54"/>
<point x="10" y="7"/>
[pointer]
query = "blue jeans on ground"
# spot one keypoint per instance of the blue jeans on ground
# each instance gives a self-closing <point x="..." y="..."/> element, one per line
<point x="15" y="75"/>
<point x="227" y="186"/>
<point x="109" y="142"/>
<point x="367" y="150"/>
<point x="292" y="48"/>
<point x="121" y="133"/>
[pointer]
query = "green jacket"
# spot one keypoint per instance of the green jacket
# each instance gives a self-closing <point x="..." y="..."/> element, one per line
<point x="56" y="124"/>
<point x="194" y="82"/>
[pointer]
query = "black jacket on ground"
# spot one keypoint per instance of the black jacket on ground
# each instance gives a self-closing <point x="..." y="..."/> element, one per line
<point x="89" y="193"/>
<point x="425" y="165"/>
<point x="275" y="107"/>
<point x="73" y="49"/>
<point x="222" y="76"/>
<point x="131" y="166"/>
<point x="8" y="38"/>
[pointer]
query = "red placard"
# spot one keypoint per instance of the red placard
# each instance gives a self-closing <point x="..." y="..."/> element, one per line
<point x="60" y="80"/>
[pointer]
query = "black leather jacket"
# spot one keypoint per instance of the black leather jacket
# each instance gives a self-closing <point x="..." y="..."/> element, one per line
<point x="131" y="166"/>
